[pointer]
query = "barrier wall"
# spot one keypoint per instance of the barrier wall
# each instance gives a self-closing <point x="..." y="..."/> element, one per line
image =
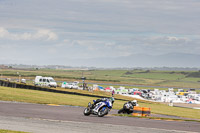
<point x="146" y="111"/>
<point x="39" y="88"/>
<point x="137" y="111"/>
<point x="141" y="111"/>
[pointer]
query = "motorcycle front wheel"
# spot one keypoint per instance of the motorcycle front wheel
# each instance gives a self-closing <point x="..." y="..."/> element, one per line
<point x="87" y="111"/>
<point x="103" y="111"/>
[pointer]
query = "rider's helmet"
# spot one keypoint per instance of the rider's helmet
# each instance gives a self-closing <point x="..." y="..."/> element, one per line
<point x="134" y="102"/>
<point x="112" y="99"/>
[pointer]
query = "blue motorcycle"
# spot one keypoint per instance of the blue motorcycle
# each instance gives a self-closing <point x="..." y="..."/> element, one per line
<point x="101" y="108"/>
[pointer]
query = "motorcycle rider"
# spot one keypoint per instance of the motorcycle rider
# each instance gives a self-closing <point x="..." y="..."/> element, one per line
<point x="103" y="99"/>
<point x="128" y="107"/>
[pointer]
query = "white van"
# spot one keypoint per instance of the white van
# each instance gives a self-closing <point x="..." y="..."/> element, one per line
<point x="45" y="81"/>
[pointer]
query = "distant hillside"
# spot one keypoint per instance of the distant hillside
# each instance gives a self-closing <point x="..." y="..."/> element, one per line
<point x="181" y="60"/>
<point x="141" y="60"/>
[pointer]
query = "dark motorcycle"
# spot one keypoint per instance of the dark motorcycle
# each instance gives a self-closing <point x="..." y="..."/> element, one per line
<point x="128" y="107"/>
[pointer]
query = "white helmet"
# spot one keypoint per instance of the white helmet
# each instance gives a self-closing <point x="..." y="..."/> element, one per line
<point x="134" y="102"/>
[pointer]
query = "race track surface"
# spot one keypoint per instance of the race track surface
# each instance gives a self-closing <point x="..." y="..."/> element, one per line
<point x="63" y="119"/>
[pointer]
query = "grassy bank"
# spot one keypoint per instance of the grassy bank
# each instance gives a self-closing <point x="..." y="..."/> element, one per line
<point x="41" y="97"/>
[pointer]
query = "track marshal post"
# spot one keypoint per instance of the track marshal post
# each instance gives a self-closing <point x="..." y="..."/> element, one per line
<point x="84" y="85"/>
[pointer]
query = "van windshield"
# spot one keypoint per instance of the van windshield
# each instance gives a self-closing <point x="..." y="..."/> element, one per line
<point x="51" y="80"/>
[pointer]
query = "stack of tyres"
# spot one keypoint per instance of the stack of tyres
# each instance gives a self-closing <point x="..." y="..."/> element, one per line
<point x="141" y="111"/>
<point x="137" y="111"/>
<point x="146" y="111"/>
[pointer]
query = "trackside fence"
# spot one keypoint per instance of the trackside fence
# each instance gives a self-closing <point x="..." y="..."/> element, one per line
<point x="40" y="88"/>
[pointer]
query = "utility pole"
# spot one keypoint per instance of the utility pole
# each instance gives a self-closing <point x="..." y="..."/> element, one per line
<point x="19" y="78"/>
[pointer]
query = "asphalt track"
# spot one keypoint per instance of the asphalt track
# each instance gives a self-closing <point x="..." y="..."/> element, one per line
<point x="63" y="119"/>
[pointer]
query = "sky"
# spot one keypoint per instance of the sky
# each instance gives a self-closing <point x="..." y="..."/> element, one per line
<point x="39" y="31"/>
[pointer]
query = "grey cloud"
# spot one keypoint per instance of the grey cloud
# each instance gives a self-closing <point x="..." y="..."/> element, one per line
<point x="100" y="28"/>
<point x="40" y="34"/>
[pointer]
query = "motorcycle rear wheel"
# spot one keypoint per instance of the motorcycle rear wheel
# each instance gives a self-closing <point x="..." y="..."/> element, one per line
<point x="102" y="112"/>
<point x="121" y="111"/>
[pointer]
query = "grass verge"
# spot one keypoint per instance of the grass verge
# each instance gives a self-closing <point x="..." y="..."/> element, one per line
<point x="10" y="131"/>
<point x="42" y="97"/>
<point x="156" y="118"/>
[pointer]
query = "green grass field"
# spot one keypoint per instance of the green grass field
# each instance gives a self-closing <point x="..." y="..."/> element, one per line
<point x="41" y="97"/>
<point x="179" y="79"/>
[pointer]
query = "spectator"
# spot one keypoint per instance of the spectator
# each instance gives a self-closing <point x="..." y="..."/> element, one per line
<point x="113" y="92"/>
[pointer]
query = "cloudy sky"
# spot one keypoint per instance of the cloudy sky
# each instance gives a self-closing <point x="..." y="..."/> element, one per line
<point x="36" y="31"/>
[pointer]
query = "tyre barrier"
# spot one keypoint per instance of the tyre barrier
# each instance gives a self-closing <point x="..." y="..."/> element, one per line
<point x="141" y="111"/>
<point x="137" y="111"/>
<point x="146" y="111"/>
